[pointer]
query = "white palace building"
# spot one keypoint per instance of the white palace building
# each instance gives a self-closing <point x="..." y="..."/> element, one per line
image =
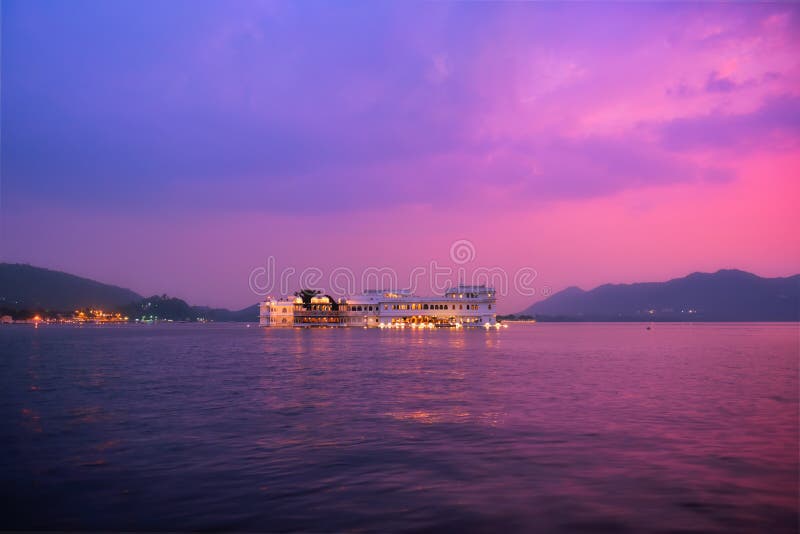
<point x="462" y="306"/>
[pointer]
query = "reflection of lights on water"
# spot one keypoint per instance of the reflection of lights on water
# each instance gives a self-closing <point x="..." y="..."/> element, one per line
<point x="422" y="326"/>
<point x="31" y="420"/>
<point x="425" y="417"/>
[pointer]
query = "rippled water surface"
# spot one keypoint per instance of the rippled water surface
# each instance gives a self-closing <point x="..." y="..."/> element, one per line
<point x="571" y="427"/>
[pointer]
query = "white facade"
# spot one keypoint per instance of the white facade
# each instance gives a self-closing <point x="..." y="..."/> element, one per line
<point x="462" y="306"/>
<point x="276" y="312"/>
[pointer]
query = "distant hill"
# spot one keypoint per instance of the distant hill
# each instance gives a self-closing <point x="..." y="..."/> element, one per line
<point x="727" y="295"/>
<point x="160" y="307"/>
<point x="164" y="307"/>
<point x="249" y="314"/>
<point x="27" y="287"/>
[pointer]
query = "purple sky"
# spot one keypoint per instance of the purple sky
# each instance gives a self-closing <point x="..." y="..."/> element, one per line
<point x="173" y="147"/>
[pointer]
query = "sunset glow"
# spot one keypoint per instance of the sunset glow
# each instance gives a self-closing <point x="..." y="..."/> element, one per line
<point x="174" y="149"/>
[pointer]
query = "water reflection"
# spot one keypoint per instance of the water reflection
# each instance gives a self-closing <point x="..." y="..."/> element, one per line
<point x="31" y="420"/>
<point x="552" y="427"/>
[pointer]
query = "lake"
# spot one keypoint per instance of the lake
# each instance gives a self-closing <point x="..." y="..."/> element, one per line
<point x="545" y="427"/>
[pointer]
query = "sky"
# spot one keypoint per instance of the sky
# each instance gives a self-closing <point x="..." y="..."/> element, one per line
<point x="175" y="147"/>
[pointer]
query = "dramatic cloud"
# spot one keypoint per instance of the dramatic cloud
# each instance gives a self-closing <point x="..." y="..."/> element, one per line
<point x="720" y="84"/>
<point x="469" y="110"/>
<point x="775" y="125"/>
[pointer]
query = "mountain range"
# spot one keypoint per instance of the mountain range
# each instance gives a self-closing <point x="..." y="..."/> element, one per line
<point x="28" y="288"/>
<point x="726" y="295"/>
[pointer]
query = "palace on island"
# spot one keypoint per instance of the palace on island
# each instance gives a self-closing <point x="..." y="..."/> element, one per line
<point x="461" y="306"/>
